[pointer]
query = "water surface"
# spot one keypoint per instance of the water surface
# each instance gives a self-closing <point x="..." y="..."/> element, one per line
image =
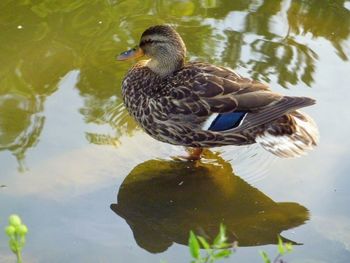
<point x="92" y="187"/>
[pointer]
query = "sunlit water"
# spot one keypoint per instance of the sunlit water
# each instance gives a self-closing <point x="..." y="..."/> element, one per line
<point x="92" y="187"/>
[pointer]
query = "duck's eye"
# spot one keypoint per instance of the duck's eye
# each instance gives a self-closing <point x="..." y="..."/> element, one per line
<point x="126" y="52"/>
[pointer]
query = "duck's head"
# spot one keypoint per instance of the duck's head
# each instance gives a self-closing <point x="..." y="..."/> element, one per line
<point x="164" y="47"/>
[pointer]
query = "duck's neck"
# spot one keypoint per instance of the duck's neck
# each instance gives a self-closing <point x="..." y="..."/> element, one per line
<point x="165" y="65"/>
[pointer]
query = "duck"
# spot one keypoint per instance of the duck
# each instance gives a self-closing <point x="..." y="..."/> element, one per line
<point x="199" y="105"/>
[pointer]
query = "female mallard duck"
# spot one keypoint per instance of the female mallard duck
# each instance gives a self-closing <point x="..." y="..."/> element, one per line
<point x="197" y="105"/>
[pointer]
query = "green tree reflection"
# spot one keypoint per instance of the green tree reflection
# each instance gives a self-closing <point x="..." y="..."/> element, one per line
<point x="163" y="200"/>
<point x="40" y="42"/>
<point x="325" y="19"/>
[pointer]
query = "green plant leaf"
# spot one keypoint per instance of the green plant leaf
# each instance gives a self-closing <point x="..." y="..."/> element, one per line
<point x="10" y="231"/>
<point x="223" y="232"/>
<point x="13" y="245"/>
<point x="281" y="249"/>
<point x="203" y="242"/>
<point x="221" y="237"/>
<point x="15" y="220"/>
<point x="22" y="230"/>
<point x="194" y="245"/>
<point x="289" y="247"/>
<point x="224" y="245"/>
<point x="265" y="257"/>
<point x="222" y="254"/>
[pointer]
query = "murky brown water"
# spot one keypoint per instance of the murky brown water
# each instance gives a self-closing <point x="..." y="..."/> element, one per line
<point x="68" y="149"/>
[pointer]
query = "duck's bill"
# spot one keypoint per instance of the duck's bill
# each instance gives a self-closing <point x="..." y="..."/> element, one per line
<point x="131" y="54"/>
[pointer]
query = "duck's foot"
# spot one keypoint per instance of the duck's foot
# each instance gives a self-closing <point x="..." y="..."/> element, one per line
<point x="194" y="153"/>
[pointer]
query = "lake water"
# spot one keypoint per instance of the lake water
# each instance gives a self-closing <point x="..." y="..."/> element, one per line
<point x="92" y="187"/>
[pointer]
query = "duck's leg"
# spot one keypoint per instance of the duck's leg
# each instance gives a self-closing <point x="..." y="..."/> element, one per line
<point x="194" y="153"/>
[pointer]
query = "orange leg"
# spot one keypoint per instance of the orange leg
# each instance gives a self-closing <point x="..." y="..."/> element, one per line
<point x="194" y="153"/>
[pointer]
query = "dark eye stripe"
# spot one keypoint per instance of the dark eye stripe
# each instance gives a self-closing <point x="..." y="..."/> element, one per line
<point x="150" y="41"/>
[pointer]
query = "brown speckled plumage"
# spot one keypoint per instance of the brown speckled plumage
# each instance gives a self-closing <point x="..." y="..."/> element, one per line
<point x="173" y="108"/>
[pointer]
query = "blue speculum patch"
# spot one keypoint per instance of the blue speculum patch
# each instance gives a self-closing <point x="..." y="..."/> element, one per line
<point x="227" y="121"/>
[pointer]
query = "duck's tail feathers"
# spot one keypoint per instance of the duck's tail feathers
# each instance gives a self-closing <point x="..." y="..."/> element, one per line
<point x="304" y="138"/>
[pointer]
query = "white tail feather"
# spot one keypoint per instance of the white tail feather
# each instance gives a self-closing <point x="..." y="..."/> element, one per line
<point x="303" y="139"/>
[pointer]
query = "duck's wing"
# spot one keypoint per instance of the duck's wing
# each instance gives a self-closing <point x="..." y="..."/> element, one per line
<point x="217" y="91"/>
<point x="273" y="111"/>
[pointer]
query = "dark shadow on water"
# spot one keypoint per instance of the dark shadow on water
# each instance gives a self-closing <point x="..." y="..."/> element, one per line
<point x="163" y="200"/>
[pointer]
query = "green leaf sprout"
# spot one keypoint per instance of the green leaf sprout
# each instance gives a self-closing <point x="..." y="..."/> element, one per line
<point x="16" y="231"/>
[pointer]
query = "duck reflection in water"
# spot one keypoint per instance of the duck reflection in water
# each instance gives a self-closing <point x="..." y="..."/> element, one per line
<point x="163" y="200"/>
